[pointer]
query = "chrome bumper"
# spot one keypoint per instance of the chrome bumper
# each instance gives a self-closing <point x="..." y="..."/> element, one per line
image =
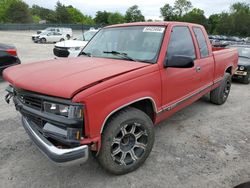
<point x="59" y="156"/>
<point x="240" y="73"/>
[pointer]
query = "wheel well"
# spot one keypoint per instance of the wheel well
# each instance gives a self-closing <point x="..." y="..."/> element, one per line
<point x="229" y="70"/>
<point x="145" y="105"/>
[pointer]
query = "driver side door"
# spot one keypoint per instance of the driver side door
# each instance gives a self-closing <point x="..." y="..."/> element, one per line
<point x="178" y="84"/>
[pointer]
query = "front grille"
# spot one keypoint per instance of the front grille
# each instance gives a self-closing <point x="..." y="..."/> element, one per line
<point x="29" y="100"/>
<point x="61" y="51"/>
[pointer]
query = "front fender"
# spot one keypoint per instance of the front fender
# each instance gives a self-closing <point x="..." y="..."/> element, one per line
<point x="101" y="105"/>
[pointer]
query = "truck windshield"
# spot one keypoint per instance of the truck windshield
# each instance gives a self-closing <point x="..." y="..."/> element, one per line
<point x="137" y="43"/>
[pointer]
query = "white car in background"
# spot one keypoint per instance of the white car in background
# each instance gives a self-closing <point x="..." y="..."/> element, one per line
<point x="49" y="37"/>
<point x="72" y="48"/>
<point x="63" y="30"/>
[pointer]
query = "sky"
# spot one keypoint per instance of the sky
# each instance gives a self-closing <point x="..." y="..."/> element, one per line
<point x="150" y="9"/>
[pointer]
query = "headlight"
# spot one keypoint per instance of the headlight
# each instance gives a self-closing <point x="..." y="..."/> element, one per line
<point x="69" y="111"/>
<point x="242" y="68"/>
<point x="75" y="48"/>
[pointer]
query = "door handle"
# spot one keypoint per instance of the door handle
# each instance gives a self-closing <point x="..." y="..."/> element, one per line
<point x="198" y="69"/>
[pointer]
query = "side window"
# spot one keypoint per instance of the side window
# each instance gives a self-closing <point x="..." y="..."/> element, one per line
<point x="181" y="43"/>
<point x="201" y="41"/>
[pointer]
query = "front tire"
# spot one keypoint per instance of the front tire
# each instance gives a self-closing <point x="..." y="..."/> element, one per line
<point x="127" y="140"/>
<point x="220" y="94"/>
<point x="62" y="39"/>
<point x="43" y="40"/>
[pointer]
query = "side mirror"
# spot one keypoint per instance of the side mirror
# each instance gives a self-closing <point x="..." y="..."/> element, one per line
<point x="179" y="61"/>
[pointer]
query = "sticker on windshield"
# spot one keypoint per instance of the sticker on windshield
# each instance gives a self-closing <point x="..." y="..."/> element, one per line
<point x="154" y="29"/>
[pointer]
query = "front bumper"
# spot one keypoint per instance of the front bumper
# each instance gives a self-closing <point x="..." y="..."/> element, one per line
<point x="61" y="51"/>
<point x="59" y="156"/>
<point x="240" y="73"/>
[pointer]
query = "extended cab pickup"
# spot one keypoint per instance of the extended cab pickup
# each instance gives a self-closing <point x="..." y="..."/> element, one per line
<point x="127" y="79"/>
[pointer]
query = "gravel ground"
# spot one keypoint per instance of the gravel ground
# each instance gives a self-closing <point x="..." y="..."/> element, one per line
<point x="203" y="145"/>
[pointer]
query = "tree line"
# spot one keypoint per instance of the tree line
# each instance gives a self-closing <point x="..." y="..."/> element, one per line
<point x="234" y="22"/>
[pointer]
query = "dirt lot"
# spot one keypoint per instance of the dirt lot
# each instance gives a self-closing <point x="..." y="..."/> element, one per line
<point x="204" y="145"/>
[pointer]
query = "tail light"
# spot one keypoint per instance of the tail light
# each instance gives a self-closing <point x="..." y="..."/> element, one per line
<point x="12" y="52"/>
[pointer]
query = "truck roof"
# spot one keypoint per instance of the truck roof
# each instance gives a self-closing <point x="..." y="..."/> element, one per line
<point x="163" y="23"/>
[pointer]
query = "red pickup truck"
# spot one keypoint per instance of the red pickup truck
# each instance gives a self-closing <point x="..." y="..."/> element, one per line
<point x="126" y="80"/>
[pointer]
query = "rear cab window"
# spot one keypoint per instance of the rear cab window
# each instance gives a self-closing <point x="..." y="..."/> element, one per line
<point x="181" y="43"/>
<point x="201" y="42"/>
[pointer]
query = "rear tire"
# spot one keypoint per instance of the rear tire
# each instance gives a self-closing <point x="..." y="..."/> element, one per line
<point x="62" y="39"/>
<point x="220" y="94"/>
<point x="68" y="36"/>
<point x="246" y="79"/>
<point x="127" y="140"/>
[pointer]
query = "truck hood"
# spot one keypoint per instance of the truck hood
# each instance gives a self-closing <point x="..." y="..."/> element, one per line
<point x="71" y="43"/>
<point x="66" y="77"/>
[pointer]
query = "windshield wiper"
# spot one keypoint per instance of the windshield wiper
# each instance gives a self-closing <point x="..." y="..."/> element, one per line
<point x="120" y="54"/>
<point x="244" y="56"/>
<point x="85" y="53"/>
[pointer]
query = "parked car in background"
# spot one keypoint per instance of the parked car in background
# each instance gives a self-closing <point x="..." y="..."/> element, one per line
<point x="63" y="30"/>
<point x="72" y="48"/>
<point x="223" y="41"/>
<point x="247" y="40"/>
<point x="8" y="56"/>
<point x="243" y="72"/>
<point x="35" y="37"/>
<point x="49" y="37"/>
<point x="128" y="78"/>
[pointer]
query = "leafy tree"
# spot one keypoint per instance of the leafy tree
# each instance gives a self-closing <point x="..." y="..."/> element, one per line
<point x="168" y="13"/>
<point x="102" y="17"/>
<point x="133" y="14"/>
<point x="213" y="22"/>
<point x="75" y="14"/>
<point x="116" y="18"/>
<point x="62" y="14"/>
<point x="240" y="18"/>
<point x="4" y="5"/>
<point x="196" y="16"/>
<point x="240" y="7"/>
<point x="36" y="19"/>
<point x="225" y="24"/>
<point x="182" y="6"/>
<point x="88" y="20"/>
<point x="18" y="12"/>
<point x="236" y="22"/>
<point x="43" y="13"/>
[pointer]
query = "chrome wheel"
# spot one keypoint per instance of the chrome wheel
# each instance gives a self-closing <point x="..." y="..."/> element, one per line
<point x="129" y="144"/>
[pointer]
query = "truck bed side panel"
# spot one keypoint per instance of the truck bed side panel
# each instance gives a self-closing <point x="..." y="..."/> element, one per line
<point x="224" y="59"/>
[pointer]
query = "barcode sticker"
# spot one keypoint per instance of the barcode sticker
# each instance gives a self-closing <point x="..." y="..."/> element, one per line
<point x="154" y="29"/>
